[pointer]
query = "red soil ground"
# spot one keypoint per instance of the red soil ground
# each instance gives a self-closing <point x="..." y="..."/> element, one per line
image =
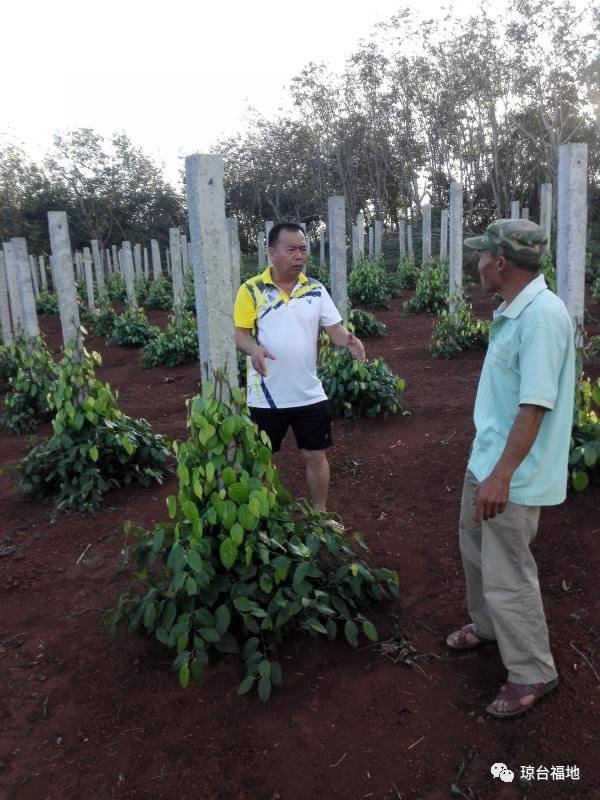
<point x="83" y="716"/>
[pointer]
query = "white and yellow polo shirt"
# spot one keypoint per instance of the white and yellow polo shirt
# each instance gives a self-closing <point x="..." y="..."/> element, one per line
<point x="288" y="326"/>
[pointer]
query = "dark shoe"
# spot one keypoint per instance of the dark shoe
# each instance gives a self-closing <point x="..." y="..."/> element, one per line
<point x="509" y="700"/>
<point x="466" y="639"/>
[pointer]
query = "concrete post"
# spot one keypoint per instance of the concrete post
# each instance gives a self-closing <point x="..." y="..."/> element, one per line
<point x="525" y="213"/>
<point x="98" y="268"/>
<point x="211" y="265"/>
<point x="115" y="258"/>
<point x="268" y="226"/>
<point x="137" y="260"/>
<point x="30" y="321"/>
<point x="89" y="278"/>
<point x="456" y="243"/>
<point x="64" y="283"/>
<point x="43" y="274"/>
<point x="260" y="247"/>
<point x="336" y="216"/>
<point x="571" y="231"/>
<point x="176" y="269"/>
<point x="34" y="276"/>
<point x="322" y="248"/>
<point x="401" y="237"/>
<point x="14" y="290"/>
<point x="146" y="264"/>
<point x="515" y="209"/>
<point x="5" y="320"/>
<point x="371" y="242"/>
<point x="378" y="237"/>
<point x="234" y="254"/>
<point x="156" y="265"/>
<point x="78" y="266"/>
<point x="360" y="233"/>
<point x="185" y="254"/>
<point x="444" y="233"/>
<point x="409" y="241"/>
<point x="169" y="266"/>
<point x="546" y="210"/>
<point x="426" y="231"/>
<point x="128" y="273"/>
<point x="355" y="255"/>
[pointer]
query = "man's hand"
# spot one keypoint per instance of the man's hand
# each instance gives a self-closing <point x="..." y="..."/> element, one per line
<point x="491" y="497"/>
<point x="258" y="358"/>
<point x="355" y="346"/>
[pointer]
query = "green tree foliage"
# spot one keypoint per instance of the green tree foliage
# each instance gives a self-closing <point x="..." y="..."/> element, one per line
<point x="584" y="456"/>
<point x="365" y="324"/>
<point x="368" y="284"/>
<point x="132" y="329"/>
<point x="431" y="289"/>
<point x="239" y="564"/>
<point x="456" y="331"/>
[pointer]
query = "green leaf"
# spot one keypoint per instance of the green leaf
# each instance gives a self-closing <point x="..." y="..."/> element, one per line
<point x="172" y="505"/>
<point x="222" y="619"/>
<point x="210" y="635"/>
<point x="246" y="684"/>
<point x="264" y="669"/>
<point x="264" y="689"/>
<point x="580" y="480"/>
<point x="276" y="677"/>
<point x="194" y="560"/>
<point x="331" y="630"/>
<point x="351" y="633"/>
<point x="300" y="573"/>
<point x="228" y="552"/>
<point x="369" y="630"/>
<point x="149" y="615"/>
<point x="197" y="669"/>
<point x="236" y="532"/>
<point x="184" y="675"/>
<point x="242" y="604"/>
<point x="314" y="624"/>
<point x="93" y="453"/>
<point x="183" y="474"/>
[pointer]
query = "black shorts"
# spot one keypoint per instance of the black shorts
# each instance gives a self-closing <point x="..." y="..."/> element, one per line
<point x="311" y="425"/>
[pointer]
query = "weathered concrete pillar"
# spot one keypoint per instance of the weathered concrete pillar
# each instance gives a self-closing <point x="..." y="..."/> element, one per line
<point x="409" y="241"/>
<point x="426" y="231"/>
<point x="115" y="258"/>
<point x="64" y="283"/>
<point x="98" y="268"/>
<point x="234" y="254"/>
<point x="89" y="278"/>
<point x="5" y="320"/>
<point x="34" y="276"/>
<point x="371" y="240"/>
<point x="169" y="265"/>
<point x="146" y="264"/>
<point x="211" y="265"/>
<point x="78" y="266"/>
<point x="128" y="273"/>
<point x="336" y="229"/>
<point x="355" y="254"/>
<point x="360" y="233"/>
<point x="185" y="254"/>
<point x="571" y="231"/>
<point x="268" y="226"/>
<point x="30" y="321"/>
<point x="14" y="289"/>
<point x="525" y="213"/>
<point x="455" y="259"/>
<point x="546" y="210"/>
<point x="322" y="248"/>
<point x="515" y="209"/>
<point x="43" y="275"/>
<point x="260" y="247"/>
<point x="444" y="233"/>
<point x="137" y="260"/>
<point x="378" y="238"/>
<point x="176" y="269"/>
<point x="156" y="265"/>
<point x="401" y="237"/>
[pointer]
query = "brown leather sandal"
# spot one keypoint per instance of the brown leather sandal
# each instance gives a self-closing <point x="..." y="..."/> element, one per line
<point x="458" y="639"/>
<point x="511" y="695"/>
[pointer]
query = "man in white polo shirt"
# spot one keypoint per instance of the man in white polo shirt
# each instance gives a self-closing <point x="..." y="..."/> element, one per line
<point x="277" y="317"/>
<point x="519" y="461"/>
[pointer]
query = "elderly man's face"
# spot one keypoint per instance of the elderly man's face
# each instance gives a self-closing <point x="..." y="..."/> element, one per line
<point x="489" y="273"/>
<point x="289" y="254"/>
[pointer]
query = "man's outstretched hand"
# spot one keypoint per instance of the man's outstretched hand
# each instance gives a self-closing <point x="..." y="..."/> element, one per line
<point x="355" y="346"/>
<point x="259" y="357"/>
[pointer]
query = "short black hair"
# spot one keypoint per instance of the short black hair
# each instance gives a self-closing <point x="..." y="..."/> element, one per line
<point x="282" y="226"/>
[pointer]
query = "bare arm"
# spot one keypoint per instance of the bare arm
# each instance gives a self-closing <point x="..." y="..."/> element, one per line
<point x="491" y="496"/>
<point x="258" y="354"/>
<point x="343" y="338"/>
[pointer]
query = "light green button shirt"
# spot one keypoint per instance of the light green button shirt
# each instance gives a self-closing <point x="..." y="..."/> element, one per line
<point x="530" y="360"/>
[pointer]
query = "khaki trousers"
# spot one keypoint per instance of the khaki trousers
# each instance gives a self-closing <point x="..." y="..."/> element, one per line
<point x="503" y="592"/>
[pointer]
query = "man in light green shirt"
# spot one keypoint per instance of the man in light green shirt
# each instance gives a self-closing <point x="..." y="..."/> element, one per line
<point x="519" y="461"/>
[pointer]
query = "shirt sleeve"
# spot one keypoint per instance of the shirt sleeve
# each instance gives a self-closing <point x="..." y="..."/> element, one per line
<point x="542" y="354"/>
<point x="329" y="313"/>
<point x="244" y="308"/>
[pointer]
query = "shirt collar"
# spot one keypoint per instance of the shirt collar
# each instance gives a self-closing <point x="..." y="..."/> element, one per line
<point x="528" y="293"/>
<point x="266" y="277"/>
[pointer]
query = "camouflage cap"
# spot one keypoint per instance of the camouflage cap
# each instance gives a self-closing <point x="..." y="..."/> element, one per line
<point x="519" y="240"/>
